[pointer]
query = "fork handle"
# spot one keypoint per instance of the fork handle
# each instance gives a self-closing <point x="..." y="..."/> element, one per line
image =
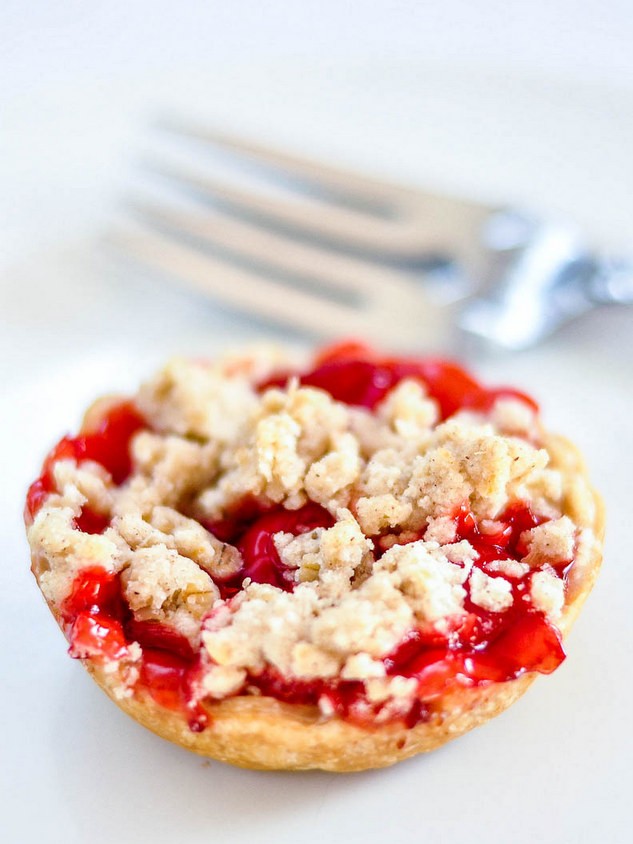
<point x="538" y="285"/>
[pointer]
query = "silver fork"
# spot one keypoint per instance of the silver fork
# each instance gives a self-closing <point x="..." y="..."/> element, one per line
<point x="366" y="257"/>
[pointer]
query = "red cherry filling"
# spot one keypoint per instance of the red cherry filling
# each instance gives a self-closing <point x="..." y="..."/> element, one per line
<point x="94" y="590"/>
<point x="504" y="544"/>
<point x="523" y="641"/>
<point x="483" y="645"/>
<point x="99" y="625"/>
<point x="478" y="647"/>
<point x="261" y="560"/>
<point x="156" y="636"/>
<point x="168" y="678"/>
<point x="96" y="635"/>
<point x="529" y="643"/>
<point x="354" y="374"/>
<point x="108" y="444"/>
<point x="90" y="522"/>
<point x="164" y="676"/>
<point x="345" y="698"/>
<point x="93" y="615"/>
<point x="237" y="521"/>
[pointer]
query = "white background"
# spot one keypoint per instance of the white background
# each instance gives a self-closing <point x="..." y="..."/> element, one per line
<point x="497" y="100"/>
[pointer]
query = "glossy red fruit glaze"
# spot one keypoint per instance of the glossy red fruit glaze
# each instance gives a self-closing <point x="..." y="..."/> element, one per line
<point x="108" y="444"/>
<point x="93" y="615"/>
<point x="503" y="544"/>
<point x="167" y="675"/>
<point x="99" y="626"/>
<point x="469" y="654"/>
<point x="261" y="560"/>
<point x="97" y="636"/>
<point x="44" y="485"/>
<point x="354" y="374"/>
<point x="484" y="646"/>
<point x="157" y="636"/>
<point x="164" y="675"/>
<point x="519" y="641"/>
<point x="37" y="494"/>
<point x="528" y="643"/>
<point x="91" y="522"/>
<point x="237" y="521"/>
<point x="480" y="647"/>
<point x="167" y="679"/>
<point x="429" y="659"/>
<point x="94" y="590"/>
<point x="347" y="698"/>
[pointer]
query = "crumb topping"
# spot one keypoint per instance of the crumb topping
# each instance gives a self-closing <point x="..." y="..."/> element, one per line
<point x="391" y="478"/>
<point x="491" y="593"/>
<point x="551" y="542"/>
<point x="547" y="592"/>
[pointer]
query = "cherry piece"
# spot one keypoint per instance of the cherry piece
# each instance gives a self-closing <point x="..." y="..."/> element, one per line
<point x="255" y="542"/>
<point x="164" y="676"/>
<point x="94" y="590"/>
<point x="90" y="522"/>
<point x="108" y="444"/>
<point x="97" y="635"/>
<point x="157" y="636"/>
<point x="354" y="374"/>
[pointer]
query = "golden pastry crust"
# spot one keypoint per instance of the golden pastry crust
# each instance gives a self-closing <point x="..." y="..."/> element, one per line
<point x="263" y="733"/>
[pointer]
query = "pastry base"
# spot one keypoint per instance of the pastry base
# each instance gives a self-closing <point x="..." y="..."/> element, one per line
<point x="263" y="734"/>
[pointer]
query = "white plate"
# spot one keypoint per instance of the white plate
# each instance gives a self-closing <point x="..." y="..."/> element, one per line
<point x="74" y="768"/>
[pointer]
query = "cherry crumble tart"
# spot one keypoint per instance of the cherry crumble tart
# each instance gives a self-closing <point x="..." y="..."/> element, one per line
<point x="330" y="563"/>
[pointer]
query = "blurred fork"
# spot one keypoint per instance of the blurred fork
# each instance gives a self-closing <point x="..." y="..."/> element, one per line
<point x="368" y="257"/>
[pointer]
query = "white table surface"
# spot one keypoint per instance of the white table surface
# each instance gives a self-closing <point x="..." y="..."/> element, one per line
<point x="495" y="107"/>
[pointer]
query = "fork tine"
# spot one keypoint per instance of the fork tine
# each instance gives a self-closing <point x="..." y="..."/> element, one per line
<point x="374" y="191"/>
<point x="336" y="272"/>
<point x="346" y="228"/>
<point x="238" y="287"/>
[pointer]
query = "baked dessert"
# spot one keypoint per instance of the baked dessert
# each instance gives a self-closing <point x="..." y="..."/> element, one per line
<point x="331" y="563"/>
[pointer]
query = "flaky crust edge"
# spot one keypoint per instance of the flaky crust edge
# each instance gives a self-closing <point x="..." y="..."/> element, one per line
<point x="264" y="734"/>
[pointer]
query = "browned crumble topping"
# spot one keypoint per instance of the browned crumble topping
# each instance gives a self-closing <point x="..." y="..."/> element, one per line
<point x="396" y="472"/>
